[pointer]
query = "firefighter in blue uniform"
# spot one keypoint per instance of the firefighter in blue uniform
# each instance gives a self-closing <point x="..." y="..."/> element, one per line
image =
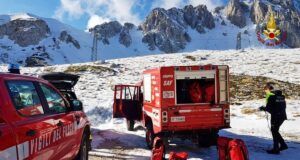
<point x="276" y="106"/>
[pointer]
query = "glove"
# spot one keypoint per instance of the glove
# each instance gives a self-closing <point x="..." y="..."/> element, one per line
<point x="262" y="108"/>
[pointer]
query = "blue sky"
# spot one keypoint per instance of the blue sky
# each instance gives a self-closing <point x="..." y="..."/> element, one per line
<point x="83" y="14"/>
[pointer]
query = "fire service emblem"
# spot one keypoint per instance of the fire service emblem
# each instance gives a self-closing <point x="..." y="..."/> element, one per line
<point x="270" y="34"/>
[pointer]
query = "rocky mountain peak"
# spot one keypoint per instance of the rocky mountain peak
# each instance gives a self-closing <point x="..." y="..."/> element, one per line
<point x="167" y="29"/>
<point x="258" y="11"/>
<point x="235" y="13"/>
<point x="25" y="32"/>
<point x="114" y="28"/>
<point x="288" y="18"/>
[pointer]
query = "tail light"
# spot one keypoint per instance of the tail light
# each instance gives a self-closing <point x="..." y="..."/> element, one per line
<point x="227" y="116"/>
<point x="164" y="116"/>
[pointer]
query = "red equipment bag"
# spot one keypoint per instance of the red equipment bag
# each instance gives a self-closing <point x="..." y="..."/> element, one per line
<point x="195" y="92"/>
<point x="238" y="150"/>
<point x="210" y="93"/>
<point x="158" y="150"/>
<point x="222" y="145"/>
<point x="232" y="149"/>
<point x="178" y="156"/>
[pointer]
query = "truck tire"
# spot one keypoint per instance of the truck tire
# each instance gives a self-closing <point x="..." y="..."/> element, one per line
<point x="130" y="125"/>
<point x="149" y="136"/>
<point x="83" y="153"/>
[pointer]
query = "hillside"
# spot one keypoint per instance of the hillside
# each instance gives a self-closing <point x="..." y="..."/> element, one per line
<point x="36" y="41"/>
<point x="250" y="69"/>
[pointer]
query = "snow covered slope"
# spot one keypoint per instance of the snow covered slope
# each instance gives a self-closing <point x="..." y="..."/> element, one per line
<point x="28" y="45"/>
<point x="111" y="140"/>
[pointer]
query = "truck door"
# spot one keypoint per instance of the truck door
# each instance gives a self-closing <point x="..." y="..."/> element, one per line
<point x="127" y="102"/>
<point x="8" y="149"/>
<point x="33" y="128"/>
<point x="64" y="134"/>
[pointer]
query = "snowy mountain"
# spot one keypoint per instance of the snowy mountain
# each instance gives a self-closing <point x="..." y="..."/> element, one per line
<point x="111" y="140"/>
<point x="35" y="41"/>
<point x="195" y="27"/>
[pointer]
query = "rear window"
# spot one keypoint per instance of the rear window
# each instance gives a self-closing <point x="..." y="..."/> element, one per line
<point x="55" y="102"/>
<point x="25" y="98"/>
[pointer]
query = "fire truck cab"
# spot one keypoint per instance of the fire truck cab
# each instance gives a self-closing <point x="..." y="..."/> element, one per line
<point x="37" y="121"/>
<point x="186" y="101"/>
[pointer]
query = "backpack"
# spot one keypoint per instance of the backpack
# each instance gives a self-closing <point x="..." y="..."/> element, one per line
<point x="232" y="149"/>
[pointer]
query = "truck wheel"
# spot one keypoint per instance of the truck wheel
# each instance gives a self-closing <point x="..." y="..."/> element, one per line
<point x="130" y="125"/>
<point x="149" y="136"/>
<point x="83" y="153"/>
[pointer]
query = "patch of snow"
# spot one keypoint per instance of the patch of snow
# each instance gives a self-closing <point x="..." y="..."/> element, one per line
<point x="22" y="16"/>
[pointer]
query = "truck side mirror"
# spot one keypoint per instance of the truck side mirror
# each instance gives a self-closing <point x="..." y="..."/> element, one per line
<point x="76" y="105"/>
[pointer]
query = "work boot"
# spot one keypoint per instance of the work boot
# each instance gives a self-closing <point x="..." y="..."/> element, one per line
<point x="283" y="147"/>
<point x="273" y="151"/>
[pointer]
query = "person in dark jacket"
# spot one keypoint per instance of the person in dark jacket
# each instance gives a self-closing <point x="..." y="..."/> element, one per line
<point x="276" y="106"/>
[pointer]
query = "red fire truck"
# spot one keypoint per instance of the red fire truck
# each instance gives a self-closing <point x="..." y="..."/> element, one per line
<point x="40" y="121"/>
<point x="183" y="101"/>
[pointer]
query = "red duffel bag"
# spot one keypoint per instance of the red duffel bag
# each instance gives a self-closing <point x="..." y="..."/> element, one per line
<point x="232" y="149"/>
<point x="158" y="150"/>
<point x="238" y="150"/>
<point x="222" y="145"/>
<point x="178" y="156"/>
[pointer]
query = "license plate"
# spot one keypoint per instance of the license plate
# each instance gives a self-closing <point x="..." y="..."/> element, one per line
<point x="178" y="119"/>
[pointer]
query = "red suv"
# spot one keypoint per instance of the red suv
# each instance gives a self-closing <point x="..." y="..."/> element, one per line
<point x="42" y="118"/>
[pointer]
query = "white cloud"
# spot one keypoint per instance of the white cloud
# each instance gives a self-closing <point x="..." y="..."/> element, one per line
<point x="122" y="11"/>
<point x="71" y="7"/>
<point x="95" y="20"/>
<point x="98" y="10"/>
<point x="167" y="4"/>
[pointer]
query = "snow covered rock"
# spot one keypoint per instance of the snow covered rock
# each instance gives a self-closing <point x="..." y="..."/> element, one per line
<point x="287" y="15"/>
<point x="112" y="29"/>
<point x="289" y="19"/>
<point x="125" y="37"/>
<point x="167" y="29"/>
<point x="37" y="60"/>
<point x="198" y="16"/>
<point x="25" y="32"/>
<point x="108" y="30"/>
<point x="31" y="40"/>
<point x="65" y="37"/>
<point x="258" y="11"/>
<point x="235" y="13"/>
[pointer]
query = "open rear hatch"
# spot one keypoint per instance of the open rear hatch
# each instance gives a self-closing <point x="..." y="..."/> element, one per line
<point x="196" y="101"/>
<point x="64" y="82"/>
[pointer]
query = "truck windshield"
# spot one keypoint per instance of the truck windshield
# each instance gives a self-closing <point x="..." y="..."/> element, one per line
<point x="192" y="91"/>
